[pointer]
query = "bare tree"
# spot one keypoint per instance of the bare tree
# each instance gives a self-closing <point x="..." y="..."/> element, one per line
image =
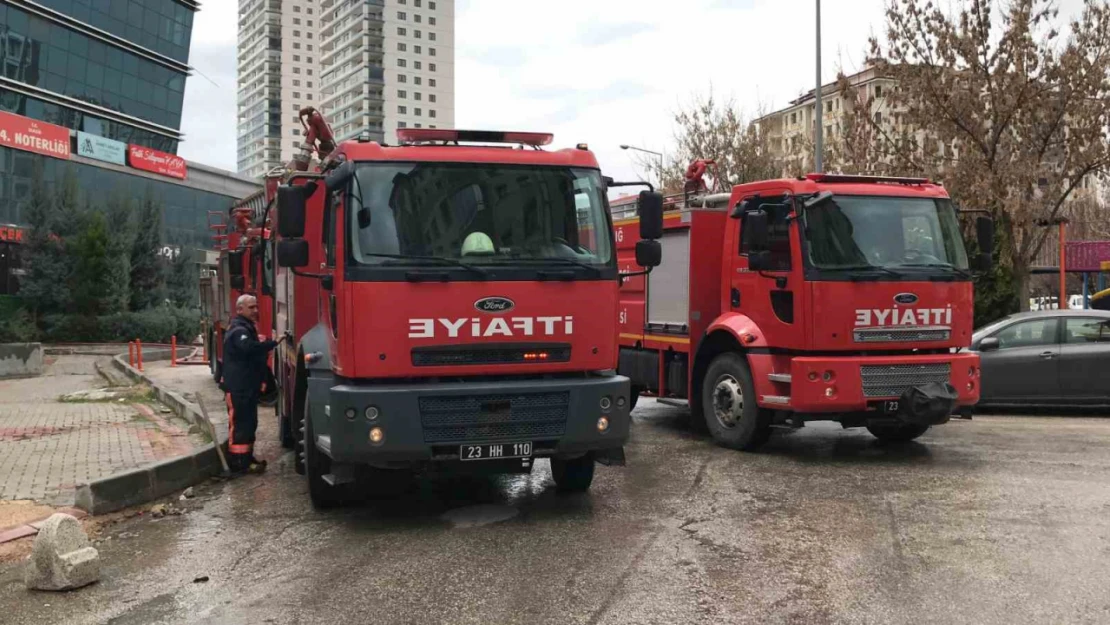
<point x="1009" y="113"/>
<point x="710" y="129"/>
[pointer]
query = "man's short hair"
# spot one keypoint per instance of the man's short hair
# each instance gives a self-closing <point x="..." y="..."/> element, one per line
<point x="243" y="300"/>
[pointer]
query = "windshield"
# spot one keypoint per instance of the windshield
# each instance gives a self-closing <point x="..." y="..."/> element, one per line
<point x="481" y="214"/>
<point x="847" y="231"/>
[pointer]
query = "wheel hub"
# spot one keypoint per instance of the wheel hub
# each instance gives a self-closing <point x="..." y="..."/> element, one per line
<point x="728" y="401"/>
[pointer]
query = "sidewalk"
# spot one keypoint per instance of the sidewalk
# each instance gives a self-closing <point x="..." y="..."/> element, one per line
<point x="47" y="446"/>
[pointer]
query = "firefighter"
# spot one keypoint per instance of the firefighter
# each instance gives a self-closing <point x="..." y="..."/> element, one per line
<point x="244" y="375"/>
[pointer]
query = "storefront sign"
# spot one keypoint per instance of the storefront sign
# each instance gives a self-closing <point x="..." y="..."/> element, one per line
<point x="1087" y="255"/>
<point x="11" y="234"/>
<point x="95" y="146"/>
<point x="156" y="162"/>
<point x="31" y="135"/>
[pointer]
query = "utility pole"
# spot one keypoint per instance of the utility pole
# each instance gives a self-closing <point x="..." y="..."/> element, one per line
<point x="819" y="129"/>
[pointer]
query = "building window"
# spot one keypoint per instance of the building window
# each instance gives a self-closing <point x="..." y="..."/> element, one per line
<point x="401" y="93"/>
<point x="296" y="33"/>
<point x="402" y="47"/>
<point x="296" y="70"/>
<point x="431" y="67"/>
<point x="431" y="36"/>
<point x="416" y="49"/>
<point x="878" y="91"/>
<point x="431" y="112"/>
<point x="402" y="63"/>
<point x="308" y="71"/>
<point x="308" y="35"/>
<point x="432" y="21"/>
<point x="431" y="97"/>
<point x="309" y="47"/>
<point x="793" y="118"/>
<point x="297" y="58"/>
<point x="416" y="112"/>
<point x="401" y="32"/>
<point x="431" y="82"/>
<point x="402" y="78"/>
<point x="416" y="33"/>
<point x="432" y="51"/>
<point x="296" y="46"/>
<point x="416" y="95"/>
<point x="308" y="59"/>
<point x="309" y="85"/>
<point x="296" y="21"/>
<point x="296" y="9"/>
<point x="296" y="132"/>
<point x="416" y="3"/>
<point x="401" y="16"/>
<point x="310" y="22"/>
<point x="432" y="6"/>
<point x="432" y="126"/>
<point x="401" y="110"/>
<point x="416" y="125"/>
<point x="310" y="11"/>
<point x="417" y="65"/>
<point x="878" y="117"/>
<point x="297" y="94"/>
<point x="416" y="80"/>
<point x="296" y="83"/>
<point x="401" y="124"/>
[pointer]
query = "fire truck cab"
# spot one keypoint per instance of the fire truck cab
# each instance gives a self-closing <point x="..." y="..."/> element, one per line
<point x="827" y="297"/>
<point x="452" y="303"/>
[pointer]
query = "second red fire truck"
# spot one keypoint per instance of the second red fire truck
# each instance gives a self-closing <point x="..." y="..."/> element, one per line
<point x="827" y="297"/>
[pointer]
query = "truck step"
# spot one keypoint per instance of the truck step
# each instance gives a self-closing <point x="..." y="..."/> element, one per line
<point x="337" y="480"/>
<point x="776" y="399"/>
<point x="671" y="401"/>
<point x="779" y="377"/>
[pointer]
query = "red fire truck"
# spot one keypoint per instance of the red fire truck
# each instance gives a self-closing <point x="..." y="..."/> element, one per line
<point x="453" y="305"/>
<point x="827" y="297"/>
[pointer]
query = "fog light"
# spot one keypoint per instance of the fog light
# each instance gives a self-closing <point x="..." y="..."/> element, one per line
<point x="971" y="386"/>
<point x="350" y="413"/>
<point x="621" y="401"/>
<point x="372" y="413"/>
<point x="828" y="376"/>
<point x="812" y="376"/>
<point x="606" y="403"/>
<point x="830" y="392"/>
<point x="377" y="435"/>
<point x="603" y="425"/>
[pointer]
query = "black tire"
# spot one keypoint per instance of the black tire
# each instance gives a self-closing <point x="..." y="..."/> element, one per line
<point x="317" y="465"/>
<point x="897" y="432"/>
<point x="214" y="360"/>
<point x="573" y="476"/>
<point x="285" y="422"/>
<point x="728" y="400"/>
<point x="633" y="397"/>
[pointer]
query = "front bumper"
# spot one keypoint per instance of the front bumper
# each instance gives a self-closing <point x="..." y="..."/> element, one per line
<point x="859" y="383"/>
<point x="426" y="422"/>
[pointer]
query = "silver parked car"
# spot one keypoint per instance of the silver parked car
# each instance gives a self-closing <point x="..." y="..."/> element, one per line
<point x="1050" y="358"/>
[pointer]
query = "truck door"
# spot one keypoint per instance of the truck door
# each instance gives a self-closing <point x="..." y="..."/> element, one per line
<point x="770" y="297"/>
<point x="328" y="303"/>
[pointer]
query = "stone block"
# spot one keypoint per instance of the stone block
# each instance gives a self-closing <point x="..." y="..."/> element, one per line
<point x="20" y="360"/>
<point x="61" y="558"/>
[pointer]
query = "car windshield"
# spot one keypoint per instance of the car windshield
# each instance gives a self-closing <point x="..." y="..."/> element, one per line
<point x="846" y="231"/>
<point x="479" y="214"/>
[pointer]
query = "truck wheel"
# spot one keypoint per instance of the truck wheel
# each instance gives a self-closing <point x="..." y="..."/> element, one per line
<point x="573" y="476"/>
<point x="897" y="433"/>
<point x="297" y="421"/>
<point x="732" y="416"/>
<point x="317" y="465"/>
<point x="285" y="429"/>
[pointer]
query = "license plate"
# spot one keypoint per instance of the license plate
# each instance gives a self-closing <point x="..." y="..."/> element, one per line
<point x="495" y="451"/>
<point x="890" y="407"/>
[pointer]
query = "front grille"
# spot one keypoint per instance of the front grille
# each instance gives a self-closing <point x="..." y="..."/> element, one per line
<point x="489" y="354"/>
<point x="897" y="335"/>
<point x="893" y="380"/>
<point x="473" y="418"/>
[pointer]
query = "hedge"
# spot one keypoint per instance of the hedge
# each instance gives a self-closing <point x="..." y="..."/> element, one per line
<point x="156" y="325"/>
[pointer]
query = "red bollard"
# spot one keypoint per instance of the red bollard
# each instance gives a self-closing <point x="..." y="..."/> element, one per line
<point x="173" y="351"/>
<point x="139" y="351"/>
<point x="131" y="353"/>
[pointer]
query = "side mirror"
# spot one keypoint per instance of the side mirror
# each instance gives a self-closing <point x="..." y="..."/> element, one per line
<point x="759" y="261"/>
<point x="291" y="202"/>
<point x="755" y="232"/>
<point x="651" y="216"/>
<point x="649" y="253"/>
<point x="989" y="344"/>
<point x="292" y="253"/>
<point x="984" y="232"/>
<point x="237" y="282"/>
<point x="235" y="262"/>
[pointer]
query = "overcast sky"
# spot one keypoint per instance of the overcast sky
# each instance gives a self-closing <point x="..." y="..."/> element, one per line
<point x="604" y="72"/>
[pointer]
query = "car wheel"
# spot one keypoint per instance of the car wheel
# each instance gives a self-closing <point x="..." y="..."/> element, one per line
<point x="732" y="416"/>
<point x="574" y="475"/>
<point x="897" y="432"/>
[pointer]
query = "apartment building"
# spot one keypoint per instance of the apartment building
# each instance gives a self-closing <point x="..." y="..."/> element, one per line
<point x="368" y="65"/>
<point x="790" y="130"/>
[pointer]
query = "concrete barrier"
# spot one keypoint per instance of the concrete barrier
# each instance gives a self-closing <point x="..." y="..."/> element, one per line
<point x="163" y="478"/>
<point x="20" y="360"/>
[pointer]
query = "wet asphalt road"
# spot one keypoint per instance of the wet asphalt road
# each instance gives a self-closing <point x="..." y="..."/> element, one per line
<point x="998" y="520"/>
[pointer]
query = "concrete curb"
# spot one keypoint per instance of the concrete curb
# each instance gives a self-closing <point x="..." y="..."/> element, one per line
<point x="160" y="479"/>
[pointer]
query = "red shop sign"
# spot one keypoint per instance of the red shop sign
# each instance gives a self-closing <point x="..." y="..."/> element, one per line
<point x="11" y="234"/>
<point x="156" y="162"/>
<point x="31" y="135"/>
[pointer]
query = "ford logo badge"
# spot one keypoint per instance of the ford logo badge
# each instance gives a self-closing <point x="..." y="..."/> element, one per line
<point x="494" y="305"/>
<point x="905" y="298"/>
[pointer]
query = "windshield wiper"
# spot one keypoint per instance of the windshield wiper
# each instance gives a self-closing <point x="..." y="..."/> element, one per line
<point x="960" y="272"/>
<point x="556" y="259"/>
<point x="878" y="268"/>
<point x="435" y="259"/>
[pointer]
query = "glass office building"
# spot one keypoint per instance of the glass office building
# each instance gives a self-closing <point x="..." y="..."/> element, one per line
<point x="111" y="74"/>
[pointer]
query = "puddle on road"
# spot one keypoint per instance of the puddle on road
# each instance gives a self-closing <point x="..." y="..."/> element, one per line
<point x="476" y="516"/>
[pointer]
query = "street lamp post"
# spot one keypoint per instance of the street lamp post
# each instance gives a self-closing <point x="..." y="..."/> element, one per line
<point x="625" y="146"/>
<point x="819" y="156"/>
